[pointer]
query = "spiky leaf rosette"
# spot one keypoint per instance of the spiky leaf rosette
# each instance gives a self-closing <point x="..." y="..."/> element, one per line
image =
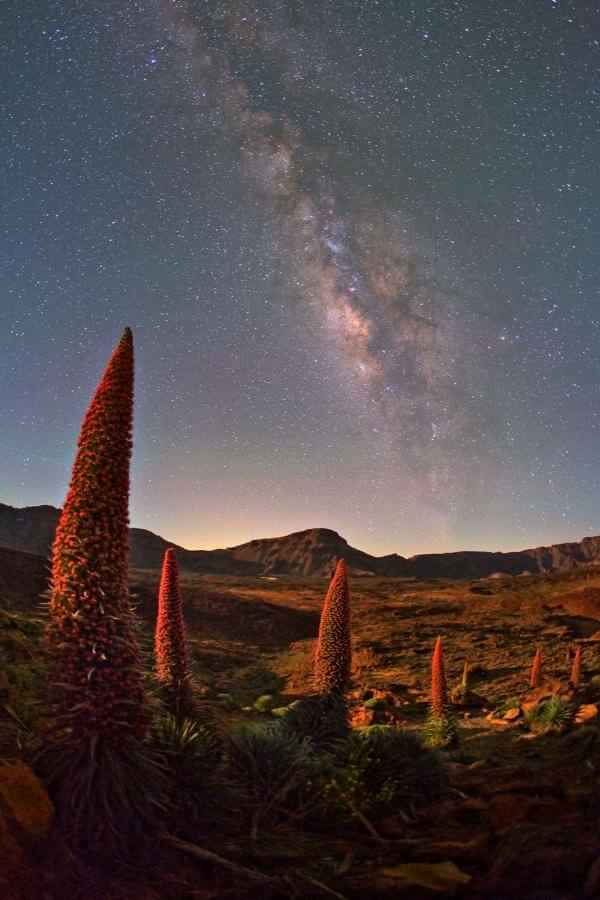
<point x="333" y="658"/>
<point x="100" y="704"/>
<point x="169" y="640"/>
<point x="536" y="670"/>
<point x="321" y="718"/>
<point x="552" y="714"/>
<point x="439" y="688"/>
<point x="576" y="670"/>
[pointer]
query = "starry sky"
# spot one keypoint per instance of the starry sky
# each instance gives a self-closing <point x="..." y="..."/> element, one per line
<point x="357" y="244"/>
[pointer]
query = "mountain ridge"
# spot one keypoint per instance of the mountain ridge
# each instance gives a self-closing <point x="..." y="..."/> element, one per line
<point x="312" y="551"/>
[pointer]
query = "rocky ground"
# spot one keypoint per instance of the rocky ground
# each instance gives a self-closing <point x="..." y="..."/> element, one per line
<point x="518" y="815"/>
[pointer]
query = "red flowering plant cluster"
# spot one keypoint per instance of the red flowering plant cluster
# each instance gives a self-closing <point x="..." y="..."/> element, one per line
<point x="169" y="641"/>
<point x="333" y="658"/>
<point x="95" y="757"/>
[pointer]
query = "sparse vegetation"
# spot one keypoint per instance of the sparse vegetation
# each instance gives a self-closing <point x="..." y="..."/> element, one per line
<point x="385" y="770"/>
<point x="264" y="703"/>
<point x="22" y="673"/>
<point x="193" y="757"/>
<point x="272" y="771"/>
<point x="510" y="703"/>
<point x="552" y="714"/>
<point x="440" y="731"/>
<point x="463" y="688"/>
<point x="320" y="718"/>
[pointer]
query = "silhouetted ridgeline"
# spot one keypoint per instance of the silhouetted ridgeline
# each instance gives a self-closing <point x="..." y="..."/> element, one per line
<point x="311" y="552"/>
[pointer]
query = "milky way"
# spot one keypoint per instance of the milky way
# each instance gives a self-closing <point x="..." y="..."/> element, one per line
<point x="356" y="243"/>
<point x="390" y="327"/>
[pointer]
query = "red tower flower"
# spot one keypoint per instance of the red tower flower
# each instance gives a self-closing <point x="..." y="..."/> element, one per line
<point x="169" y="640"/>
<point x="333" y="658"/>
<point x="576" y="670"/>
<point x="100" y="704"/>
<point x="439" y="689"/>
<point x="90" y="632"/>
<point x="536" y="670"/>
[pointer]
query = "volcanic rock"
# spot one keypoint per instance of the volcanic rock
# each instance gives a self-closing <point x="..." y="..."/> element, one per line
<point x="586" y="713"/>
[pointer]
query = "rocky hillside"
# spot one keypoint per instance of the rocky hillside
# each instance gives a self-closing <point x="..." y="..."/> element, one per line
<point x="23" y="577"/>
<point x="315" y="552"/>
<point x="478" y="564"/>
<point x="305" y="553"/>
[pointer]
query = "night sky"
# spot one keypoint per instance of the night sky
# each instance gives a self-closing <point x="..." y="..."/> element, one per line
<point x="357" y="244"/>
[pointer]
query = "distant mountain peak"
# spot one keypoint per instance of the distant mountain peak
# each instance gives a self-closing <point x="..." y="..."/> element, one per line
<point x="312" y="551"/>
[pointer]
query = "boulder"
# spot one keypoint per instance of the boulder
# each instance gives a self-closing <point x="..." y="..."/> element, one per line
<point x="25" y="820"/>
<point x="495" y="719"/>
<point x="443" y="878"/>
<point x="586" y="713"/>
<point x="24" y="800"/>
<point x="550" y="688"/>
<point x="362" y="717"/>
<point x="507" y="809"/>
<point x="467" y="699"/>
<point x="591" y="887"/>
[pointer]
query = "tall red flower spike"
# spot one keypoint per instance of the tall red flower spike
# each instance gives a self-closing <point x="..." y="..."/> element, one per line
<point x="576" y="670"/>
<point x="536" y="670"/>
<point x="439" y="688"/>
<point x="169" y="640"/>
<point x="333" y="658"/>
<point x="99" y="690"/>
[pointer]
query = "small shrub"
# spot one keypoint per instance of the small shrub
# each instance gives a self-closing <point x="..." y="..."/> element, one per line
<point x="226" y="701"/>
<point x="503" y="708"/>
<point x="272" y="772"/>
<point x="22" y="673"/>
<point x="554" y="714"/>
<point x="463" y="688"/>
<point x="193" y="756"/>
<point x="386" y="769"/>
<point x="321" y="718"/>
<point x="374" y="703"/>
<point x="186" y="741"/>
<point x="264" y="703"/>
<point x="440" y="731"/>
